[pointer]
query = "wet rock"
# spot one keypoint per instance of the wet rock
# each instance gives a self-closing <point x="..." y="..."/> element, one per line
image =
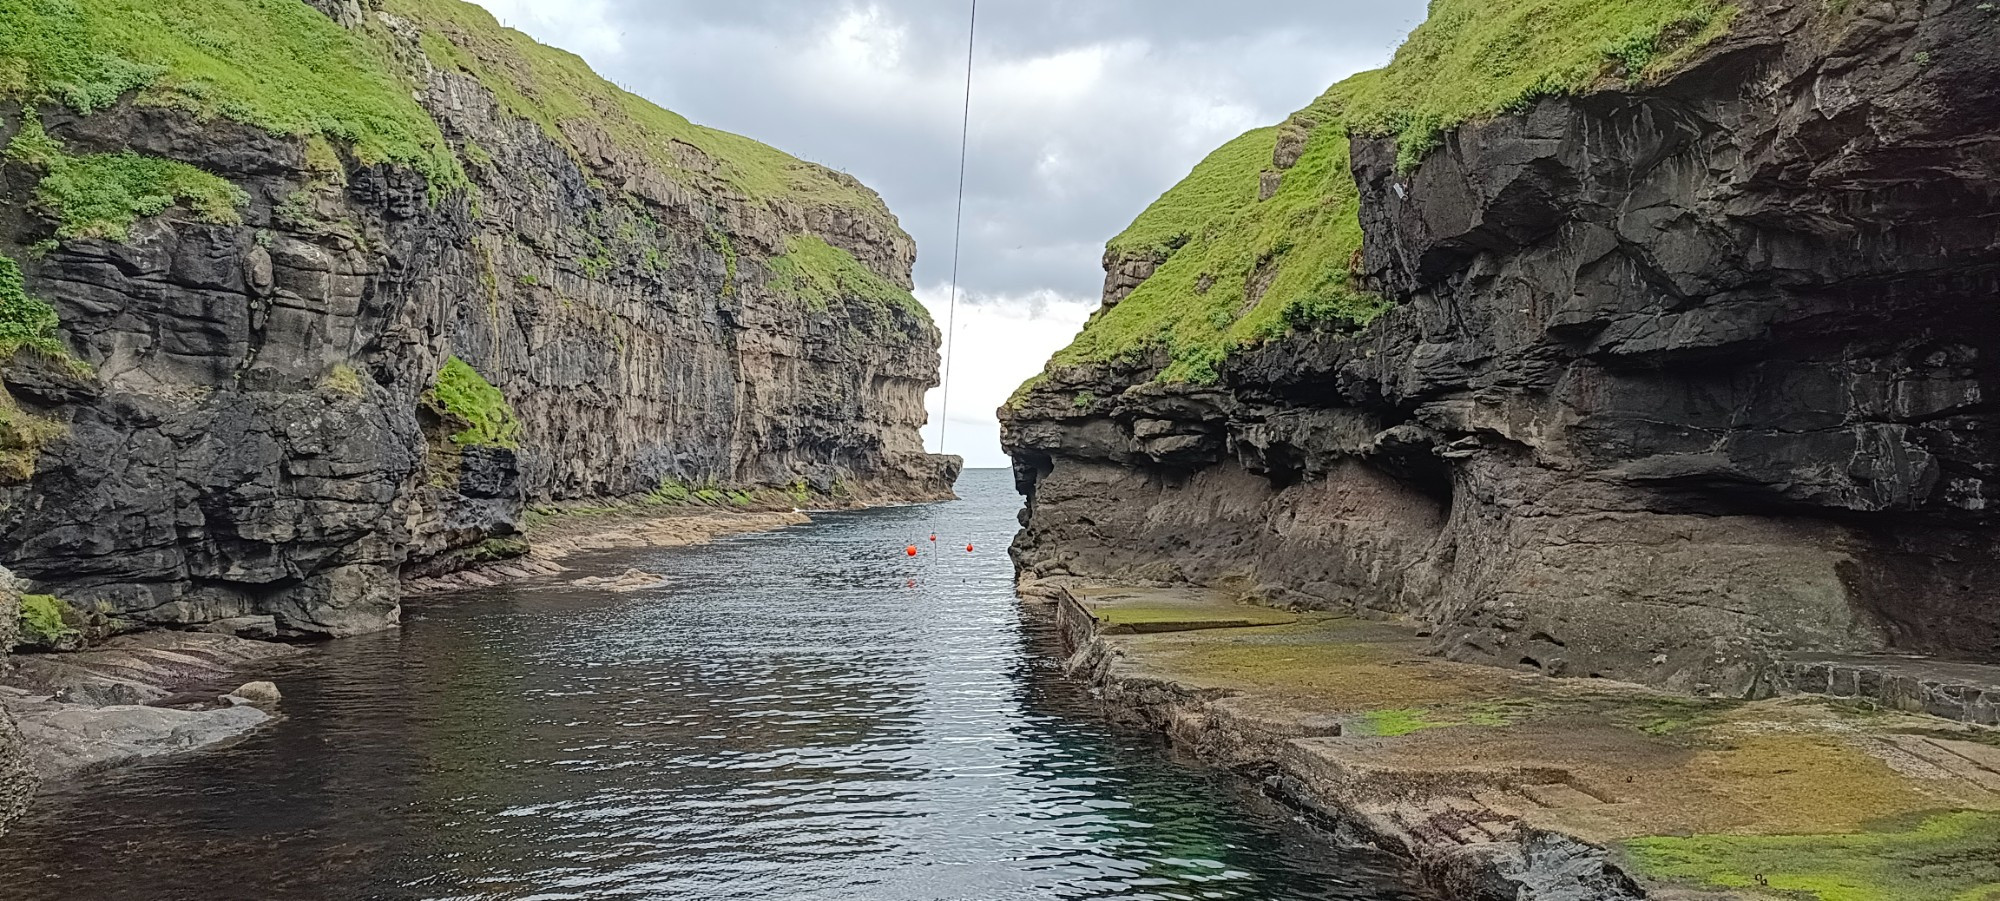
<point x="256" y="694"/>
<point x="67" y="740"/>
<point x="629" y="581"/>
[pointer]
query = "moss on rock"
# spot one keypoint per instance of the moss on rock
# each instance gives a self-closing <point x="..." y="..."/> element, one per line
<point x="487" y="418"/>
<point x="1948" y="857"/>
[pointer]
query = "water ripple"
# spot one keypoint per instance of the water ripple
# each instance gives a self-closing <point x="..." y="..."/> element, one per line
<point x="786" y="720"/>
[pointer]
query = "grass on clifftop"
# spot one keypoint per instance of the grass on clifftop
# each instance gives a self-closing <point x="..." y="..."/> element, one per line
<point x="1947" y="858"/>
<point x="277" y="64"/>
<point x="1238" y="270"/>
<point x="816" y="273"/>
<point x="560" y="92"/>
<point x="464" y="393"/>
<point x="1475" y="58"/>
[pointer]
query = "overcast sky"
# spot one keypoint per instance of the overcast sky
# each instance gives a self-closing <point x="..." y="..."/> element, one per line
<point x="1084" y="111"/>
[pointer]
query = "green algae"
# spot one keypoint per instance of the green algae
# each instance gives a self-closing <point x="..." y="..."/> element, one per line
<point x="1947" y="857"/>
<point x="1393" y="723"/>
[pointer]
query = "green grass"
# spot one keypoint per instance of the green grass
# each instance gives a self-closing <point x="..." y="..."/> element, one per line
<point x="1475" y="58"/>
<point x="464" y="393"/>
<point x="1236" y="271"/>
<point x="1951" y="857"/>
<point x="558" y="91"/>
<point x="279" y="65"/>
<point x="816" y="273"/>
<point x="101" y="195"/>
<point x="42" y="622"/>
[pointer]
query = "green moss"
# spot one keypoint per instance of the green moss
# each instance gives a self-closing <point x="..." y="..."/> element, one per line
<point x="276" y="64"/>
<point x="465" y="394"/>
<point x="800" y="492"/>
<point x="1948" y="857"/>
<point x="102" y="195"/>
<point x="671" y="492"/>
<point x="710" y="495"/>
<point x="741" y="498"/>
<point x="816" y="273"/>
<point x="558" y="91"/>
<point x="1392" y="723"/>
<point x="1475" y="58"/>
<point x="44" y="622"/>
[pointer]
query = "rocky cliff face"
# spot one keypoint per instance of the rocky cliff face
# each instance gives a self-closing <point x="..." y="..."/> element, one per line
<point x="1681" y="376"/>
<point x="17" y="777"/>
<point x="269" y="396"/>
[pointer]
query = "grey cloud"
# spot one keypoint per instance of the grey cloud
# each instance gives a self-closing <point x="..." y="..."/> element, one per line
<point x="737" y="66"/>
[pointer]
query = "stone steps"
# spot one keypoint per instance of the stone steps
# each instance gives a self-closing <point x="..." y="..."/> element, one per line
<point x="1964" y="692"/>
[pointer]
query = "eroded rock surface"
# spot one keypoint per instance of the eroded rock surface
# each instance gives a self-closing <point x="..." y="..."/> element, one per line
<point x="254" y="444"/>
<point x="1681" y="379"/>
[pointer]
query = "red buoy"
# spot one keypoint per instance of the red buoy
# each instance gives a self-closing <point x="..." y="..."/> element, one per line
<point x="968" y="549"/>
<point x="933" y="537"/>
<point x="913" y="550"/>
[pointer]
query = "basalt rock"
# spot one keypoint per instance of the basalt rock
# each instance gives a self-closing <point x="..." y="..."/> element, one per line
<point x="255" y="440"/>
<point x="1681" y="378"/>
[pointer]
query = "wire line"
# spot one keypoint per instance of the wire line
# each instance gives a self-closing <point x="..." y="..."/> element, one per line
<point x="958" y="229"/>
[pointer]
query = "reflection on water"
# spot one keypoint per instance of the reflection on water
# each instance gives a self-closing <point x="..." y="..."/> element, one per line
<point x="789" y="720"/>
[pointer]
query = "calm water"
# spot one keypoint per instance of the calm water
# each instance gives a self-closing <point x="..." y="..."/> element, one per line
<point x="789" y="720"/>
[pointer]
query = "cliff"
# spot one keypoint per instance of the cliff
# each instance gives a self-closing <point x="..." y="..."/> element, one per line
<point x="1656" y="346"/>
<point x="300" y="299"/>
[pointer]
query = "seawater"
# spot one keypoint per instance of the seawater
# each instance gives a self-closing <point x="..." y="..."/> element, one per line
<point x="787" y="719"/>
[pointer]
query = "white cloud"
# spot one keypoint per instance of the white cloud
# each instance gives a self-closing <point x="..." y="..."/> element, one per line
<point x="1000" y="343"/>
<point x="583" y="27"/>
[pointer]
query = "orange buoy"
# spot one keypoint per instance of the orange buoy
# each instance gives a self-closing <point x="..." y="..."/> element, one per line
<point x="968" y="549"/>
<point x="912" y="550"/>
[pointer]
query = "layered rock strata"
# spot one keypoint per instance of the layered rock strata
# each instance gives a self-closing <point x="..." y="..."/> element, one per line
<point x="1681" y="377"/>
<point x="258" y="427"/>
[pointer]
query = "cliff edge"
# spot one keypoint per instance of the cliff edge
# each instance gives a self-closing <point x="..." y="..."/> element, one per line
<point x="1656" y="346"/>
<point x="298" y="299"/>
